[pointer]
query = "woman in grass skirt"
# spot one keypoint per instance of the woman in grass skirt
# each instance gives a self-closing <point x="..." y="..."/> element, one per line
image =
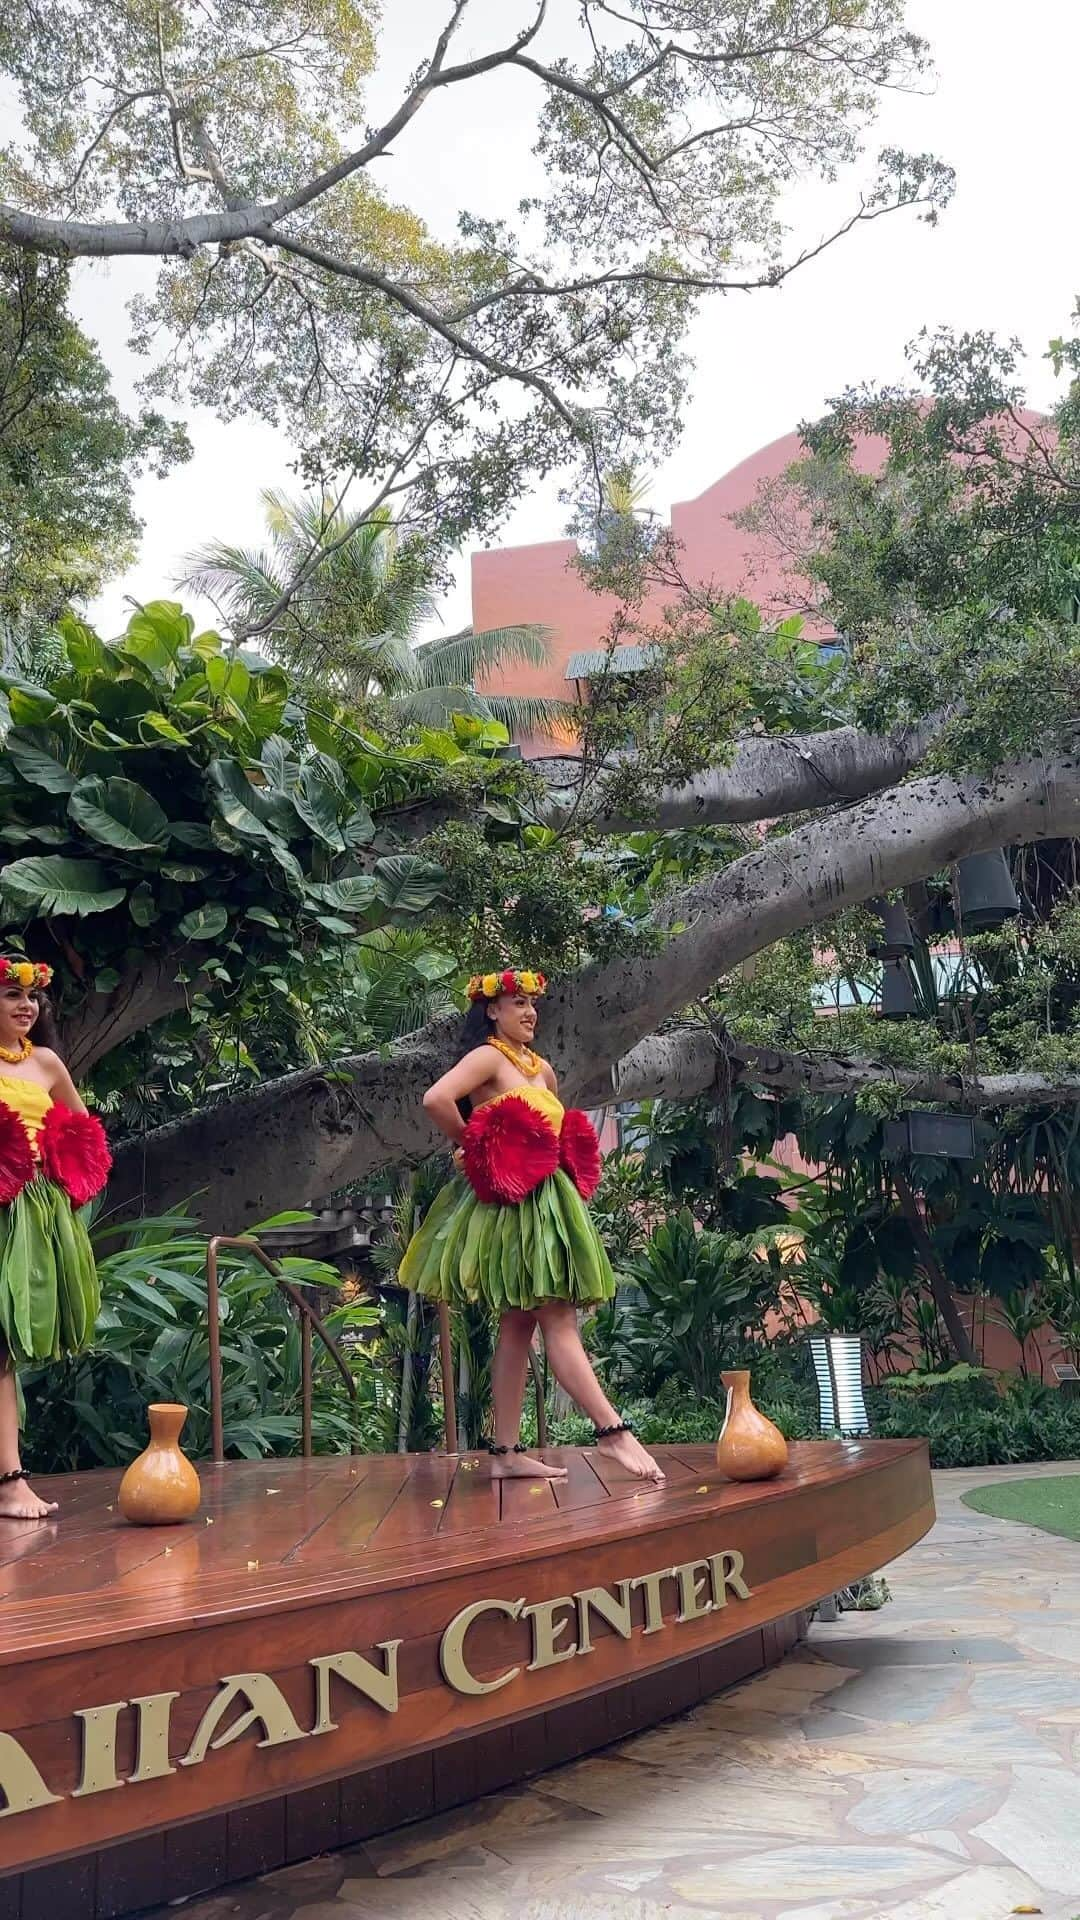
<point x="53" y="1158"/>
<point x="512" y="1229"/>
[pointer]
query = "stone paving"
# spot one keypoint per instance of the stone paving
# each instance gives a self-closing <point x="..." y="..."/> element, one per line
<point x="918" y="1763"/>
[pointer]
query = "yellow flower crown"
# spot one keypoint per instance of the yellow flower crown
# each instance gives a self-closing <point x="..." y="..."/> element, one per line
<point x="488" y="986"/>
<point x="24" y="973"/>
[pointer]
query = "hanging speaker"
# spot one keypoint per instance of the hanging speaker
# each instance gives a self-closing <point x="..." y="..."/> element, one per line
<point x="897" y="990"/>
<point x="897" y="936"/>
<point x="985" y="895"/>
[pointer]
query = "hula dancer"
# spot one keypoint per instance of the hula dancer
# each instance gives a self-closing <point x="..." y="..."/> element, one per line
<point x="512" y="1229"/>
<point x="53" y="1158"/>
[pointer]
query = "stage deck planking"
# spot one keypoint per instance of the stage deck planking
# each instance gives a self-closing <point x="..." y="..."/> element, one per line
<point x="275" y="1534"/>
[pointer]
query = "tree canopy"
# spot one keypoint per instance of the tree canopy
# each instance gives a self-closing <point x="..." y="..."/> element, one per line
<point x="69" y="455"/>
<point x="441" y="373"/>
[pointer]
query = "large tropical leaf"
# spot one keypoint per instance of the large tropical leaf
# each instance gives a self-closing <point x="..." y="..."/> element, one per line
<point x="155" y="635"/>
<point x="354" y="894"/>
<point x="317" y="797"/>
<point x="119" y="813"/>
<point x="407" y="884"/>
<point x="205" y="923"/>
<point x="51" y="883"/>
<point x="236" y="801"/>
<point x="29" y="706"/>
<point x="31" y="756"/>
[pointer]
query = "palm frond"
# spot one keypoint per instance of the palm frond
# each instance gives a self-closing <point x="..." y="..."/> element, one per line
<point x="243" y="580"/>
<point x="389" y="662"/>
<point x="435" y="706"/>
<point x="460" y="657"/>
<point x="524" y="716"/>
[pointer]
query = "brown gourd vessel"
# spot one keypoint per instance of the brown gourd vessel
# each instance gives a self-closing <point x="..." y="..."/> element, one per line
<point x="750" y="1447"/>
<point x="161" y="1488"/>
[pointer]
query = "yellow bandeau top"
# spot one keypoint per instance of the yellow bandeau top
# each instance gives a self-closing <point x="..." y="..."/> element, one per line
<point x="541" y="1098"/>
<point x="28" y="1098"/>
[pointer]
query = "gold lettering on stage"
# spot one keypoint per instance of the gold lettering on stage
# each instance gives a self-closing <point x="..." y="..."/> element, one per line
<point x="98" y="1749"/>
<point x="726" y="1570"/>
<point x="547" y="1631"/>
<point x="452" y="1648"/>
<point x="612" y="1607"/>
<point x="378" y="1683"/>
<point x="154" y="1712"/>
<point x="267" y="1708"/>
<point x="559" y="1629"/>
<point x="20" y="1782"/>
<point x="692" y="1602"/>
<point x="654" y="1606"/>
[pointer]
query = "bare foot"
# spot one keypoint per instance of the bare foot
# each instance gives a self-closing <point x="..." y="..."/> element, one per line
<point x="20" y="1502"/>
<point x="628" y="1452"/>
<point x="522" y="1466"/>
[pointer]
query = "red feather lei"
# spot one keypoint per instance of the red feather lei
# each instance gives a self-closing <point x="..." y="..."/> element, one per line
<point x="16" y="1155"/>
<point x="579" y="1152"/>
<point x="75" y="1152"/>
<point x="509" y="1149"/>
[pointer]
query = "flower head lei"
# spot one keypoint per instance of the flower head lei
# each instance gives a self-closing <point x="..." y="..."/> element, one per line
<point x="24" y="973"/>
<point x="488" y="986"/>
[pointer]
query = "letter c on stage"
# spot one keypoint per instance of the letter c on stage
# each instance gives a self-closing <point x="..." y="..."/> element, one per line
<point x="452" y="1648"/>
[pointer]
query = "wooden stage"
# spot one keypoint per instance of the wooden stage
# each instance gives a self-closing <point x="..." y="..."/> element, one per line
<point x="336" y="1646"/>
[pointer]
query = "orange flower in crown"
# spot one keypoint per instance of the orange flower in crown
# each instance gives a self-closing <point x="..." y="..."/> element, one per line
<point x="488" y="986"/>
<point x="24" y="973"/>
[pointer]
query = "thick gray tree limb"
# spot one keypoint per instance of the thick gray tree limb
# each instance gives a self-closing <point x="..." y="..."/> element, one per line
<point x="310" y="1133"/>
<point x="766" y="779"/>
<point x="768" y="776"/>
<point x="682" y="1063"/>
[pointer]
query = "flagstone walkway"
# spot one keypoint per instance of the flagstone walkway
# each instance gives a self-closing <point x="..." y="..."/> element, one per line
<point x="919" y="1763"/>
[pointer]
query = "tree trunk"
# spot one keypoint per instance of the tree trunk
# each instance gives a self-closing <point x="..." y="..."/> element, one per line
<point x="305" y="1135"/>
<point x="935" y="1273"/>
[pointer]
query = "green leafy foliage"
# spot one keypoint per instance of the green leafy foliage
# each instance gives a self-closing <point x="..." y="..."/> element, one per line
<point x="704" y="1297"/>
<point x="151" y="1343"/>
<point x="164" y="811"/>
<point x="68" y="458"/>
<point x="968" y="1424"/>
<point x="343" y="604"/>
<point x="460" y="369"/>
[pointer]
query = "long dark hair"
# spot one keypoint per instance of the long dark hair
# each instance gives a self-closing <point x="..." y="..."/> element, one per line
<point x="44" y="1031"/>
<point x="475" y="1028"/>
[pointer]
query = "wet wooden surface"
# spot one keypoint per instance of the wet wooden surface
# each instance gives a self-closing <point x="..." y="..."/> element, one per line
<point x="274" y="1535"/>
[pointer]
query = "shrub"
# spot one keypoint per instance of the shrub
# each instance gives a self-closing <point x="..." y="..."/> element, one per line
<point x="151" y="1343"/>
<point x="970" y="1425"/>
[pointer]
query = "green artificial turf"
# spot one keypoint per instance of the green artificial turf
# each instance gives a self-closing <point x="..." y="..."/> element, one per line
<point x="1052" y="1503"/>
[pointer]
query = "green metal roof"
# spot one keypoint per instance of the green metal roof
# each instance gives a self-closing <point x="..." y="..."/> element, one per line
<point x="590" y="665"/>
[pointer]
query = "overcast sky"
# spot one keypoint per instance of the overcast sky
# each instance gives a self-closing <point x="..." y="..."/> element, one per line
<point x="1002" y="112"/>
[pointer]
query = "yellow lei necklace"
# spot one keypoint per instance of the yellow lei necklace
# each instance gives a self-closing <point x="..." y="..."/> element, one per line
<point x="23" y="1053"/>
<point x="523" y="1058"/>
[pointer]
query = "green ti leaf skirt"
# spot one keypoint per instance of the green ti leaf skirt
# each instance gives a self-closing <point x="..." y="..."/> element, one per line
<point x="545" y="1248"/>
<point x="49" y="1292"/>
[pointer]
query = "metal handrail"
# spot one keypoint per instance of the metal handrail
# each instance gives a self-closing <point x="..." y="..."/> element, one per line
<point x="309" y="1320"/>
